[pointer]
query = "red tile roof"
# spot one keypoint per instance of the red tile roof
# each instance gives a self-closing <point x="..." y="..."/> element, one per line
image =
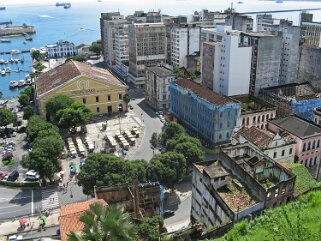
<point x="259" y="137"/>
<point x="70" y="214"/>
<point x="204" y="92"/>
<point x="70" y="70"/>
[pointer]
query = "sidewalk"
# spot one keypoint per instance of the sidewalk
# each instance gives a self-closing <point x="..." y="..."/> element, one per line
<point x="13" y="227"/>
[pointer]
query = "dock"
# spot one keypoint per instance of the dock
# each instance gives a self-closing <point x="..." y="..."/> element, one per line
<point x="21" y="52"/>
<point x="6" y="23"/>
<point x="17" y="30"/>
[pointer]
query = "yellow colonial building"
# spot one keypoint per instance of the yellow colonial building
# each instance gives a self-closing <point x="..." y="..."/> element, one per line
<point x="99" y="89"/>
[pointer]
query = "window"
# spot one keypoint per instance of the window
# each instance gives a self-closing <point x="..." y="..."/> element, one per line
<point x="318" y="144"/>
<point x="254" y="119"/>
<point x="84" y="101"/>
<point x="313" y="145"/>
<point x="283" y="152"/>
<point x="220" y="136"/>
<point x="274" y="155"/>
<point x="120" y="96"/>
<point x="97" y="98"/>
<point x="304" y="146"/>
<point x="290" y="151"/>
<point x="108" y="97"/>
<point x="309" y="146"/>
<point x="98" y="110"/>
<point x="315" y="161"/>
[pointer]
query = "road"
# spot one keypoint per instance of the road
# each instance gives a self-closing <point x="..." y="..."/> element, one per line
<point x="150" y="120"/>
<point x="19" y="202"/>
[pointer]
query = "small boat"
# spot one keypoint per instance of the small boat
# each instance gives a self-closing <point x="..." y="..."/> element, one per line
<point x="67" y="5"/>
<point x="13" y="84"/>
<point x="15" y="51"/>
<point x="3" y="72"/>
<point x="8" y="70"/>
<point x="11" y="60"/>
<point x="28" y="82"/>
<point x="24" y="42"/>
<point x="2" y="8"/>
<point x="22" y="60"/>
<point x="16" y="60"/>
<point x="239" y="2"/>
<point x="21" y="83"/>
<point x="2" y="61"/>
<point x="28" y="38"/>
<point x="5" y="40"/>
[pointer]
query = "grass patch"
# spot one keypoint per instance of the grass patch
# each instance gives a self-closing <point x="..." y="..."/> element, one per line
<point x="297" y="221"/>
<point x="8" y="162"/>
<point x="304" y="181"/>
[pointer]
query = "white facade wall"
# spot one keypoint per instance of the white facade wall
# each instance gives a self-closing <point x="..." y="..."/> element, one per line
<point x="281" y="152"/>
<point x="258" y="119"/>
<point x="61" y="50"/>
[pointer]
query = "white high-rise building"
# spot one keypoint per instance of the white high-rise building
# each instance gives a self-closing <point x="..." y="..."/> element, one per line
<point x="184" y="41"/>
<point x="232" y="62"/>
<point x="121" y="49"/>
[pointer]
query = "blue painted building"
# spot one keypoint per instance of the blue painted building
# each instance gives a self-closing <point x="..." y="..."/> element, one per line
<point x="210" y="115"/>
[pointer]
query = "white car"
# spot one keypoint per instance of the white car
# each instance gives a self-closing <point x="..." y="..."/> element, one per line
<point x="162" y="119"/>
<point x="32" y="175"/>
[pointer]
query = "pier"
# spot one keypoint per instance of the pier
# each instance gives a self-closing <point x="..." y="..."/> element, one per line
<point x="6" y="23"/>
<point x="17" y="30"/>
<point x="21" y="52"/>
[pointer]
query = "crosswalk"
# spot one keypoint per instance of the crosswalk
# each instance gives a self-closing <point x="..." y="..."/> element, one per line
<point x="50" y="199"/>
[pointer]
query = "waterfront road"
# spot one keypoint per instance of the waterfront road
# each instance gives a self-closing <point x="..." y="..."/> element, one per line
<point x="15" y="203"/>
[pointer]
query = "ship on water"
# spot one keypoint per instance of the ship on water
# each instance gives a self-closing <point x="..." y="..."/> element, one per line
<point x="2" y="8"/>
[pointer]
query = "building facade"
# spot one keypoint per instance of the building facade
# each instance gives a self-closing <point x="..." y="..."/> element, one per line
<point x="306" y="134"/>
<point x="265" y="61"/>
<point x="311" y="33"/>
<point x="264" y="22"/>
<point x="278" y="146"/>
<point x="121" y="50"/>
<point x="208" y="58"/>
<point x="232" y="62"/>
<point x="210" y="115"/>
<point x="317" y="116"/>
<point x="158" y="79"/>
<point x="108" y="21"/>
<point x="61" y="49"/>
<point x="147" y="47"/>
<point x="185" y="40"/>
<point x="97" y="88"/>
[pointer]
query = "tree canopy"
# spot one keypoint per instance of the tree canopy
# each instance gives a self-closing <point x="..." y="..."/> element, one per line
<point x="36" y="125"/>
<point x="168" y="168"/>
<point x="56" y="103"/>
<point x="24" y="100"/>
<point x="150" y="228"/>
<point x="106" y="169"/>
<point x="96" y="48"/>
<point x="27" y="112"/>
<point x="79" y="58"/>
<point x="155" y="140"/>
<point x="170" y="131"/>
<point x="6" y="117"/>
<point x="75" y="115"/>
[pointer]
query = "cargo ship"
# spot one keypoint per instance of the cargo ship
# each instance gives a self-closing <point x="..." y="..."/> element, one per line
<point x="2" y="8"/>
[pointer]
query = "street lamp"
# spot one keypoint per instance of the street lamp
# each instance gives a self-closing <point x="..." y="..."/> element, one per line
<point x="119" y="107"/>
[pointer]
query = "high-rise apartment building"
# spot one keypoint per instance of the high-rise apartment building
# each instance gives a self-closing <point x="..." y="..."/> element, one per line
<point x="232" y="62"/>
<point x="185" y="40"/>
<point x="108" y="21"/>
<point x="121" y="50"/>
<point x="264" y="22"/>
<point x="239" y="22"/>
<point x="266" y="59"/>
<point x="310" y="31"/>
<point x="147" y="47"/>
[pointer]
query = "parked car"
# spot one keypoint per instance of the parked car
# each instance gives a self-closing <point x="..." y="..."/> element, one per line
<point x="13" y="176"/>
<point x="162" y="119"/>
<point x="156" y="113"/>
<point x="168" y="213"/>
<point x="32" y="175"/>
<point x="3" y="175"/>
<point x="130" y="107"/>
<point x="160" y="113"/>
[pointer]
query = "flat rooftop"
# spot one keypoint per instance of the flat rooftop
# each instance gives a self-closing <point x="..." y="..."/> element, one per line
<point x="160" y="71"/>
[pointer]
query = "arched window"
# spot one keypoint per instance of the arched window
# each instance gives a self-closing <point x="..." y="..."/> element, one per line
<point x="247" y="121"/>
<point x="318" y="144"/>
<point x="258" y="119"/>
<point x="313" y="144"/>
<point x="309" y="146"/>
<point x="254" y="119"/>
<point x="315" y="161"/>
<point x="304" y="146"/>
<point x="267" y="116"/>
<point x="227" y="135"/>
<point x="243" y="122"/>
<point x="263" y="117"/>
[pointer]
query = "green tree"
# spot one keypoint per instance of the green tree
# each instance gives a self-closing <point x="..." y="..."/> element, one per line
<point x="37" y="125"/>
<point x="170" y="131"/>
<point x="79" y="58"/>
<point x="78" y="114"/>
<point x="6" y="117"/>
<point x="154" y="141"/>
<point x="27" y="112"/>
<point x="39" y="67"/>
<point x="96" y="48"/>
<point x="57" y="103"/>
<point x="24" y="100"/>
<point x="168" y="168"/>
<point x="37" y="160"/>
<point x="105" y="224"/>
<point x="178" y="72"/>
<point x="51" y="145"/>
<point x="36" y="55"/>
<point x="191" y="152"/>
<point x="126" y="99"/>
<point x="172" y="143"/>
<point x="106" y="169"/>
<point x="29" y="91"/>
<point x="150" y="228"/>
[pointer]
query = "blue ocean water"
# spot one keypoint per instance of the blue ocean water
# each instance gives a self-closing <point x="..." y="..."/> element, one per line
<point x="80" y="23"/>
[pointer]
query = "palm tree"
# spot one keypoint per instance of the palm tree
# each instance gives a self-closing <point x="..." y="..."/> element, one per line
<point x="105" y="224"/>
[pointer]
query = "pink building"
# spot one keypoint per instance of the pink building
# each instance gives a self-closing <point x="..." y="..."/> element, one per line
<point x="307" y="136"/>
